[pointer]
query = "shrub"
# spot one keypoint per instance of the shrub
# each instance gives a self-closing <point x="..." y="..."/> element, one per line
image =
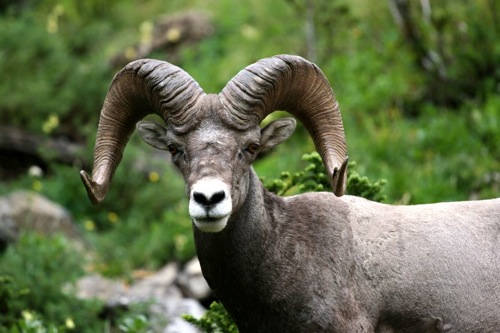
<point x="134" y="324"/>
<point x="215" y="320"/>
<point x="34" y="273"/>
<point x="313" y="178"/>
<point x="33" y="323"/>
<point x="45" y="93"/>
<point x="451" y="41"/>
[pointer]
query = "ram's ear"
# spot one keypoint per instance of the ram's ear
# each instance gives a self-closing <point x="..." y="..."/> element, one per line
<point x="153" y="134"/>
<point x="276" y="132"/>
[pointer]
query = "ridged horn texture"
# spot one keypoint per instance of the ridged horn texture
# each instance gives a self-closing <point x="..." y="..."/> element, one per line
<point x="292" y="84"/>
<point x="141" y="88"/>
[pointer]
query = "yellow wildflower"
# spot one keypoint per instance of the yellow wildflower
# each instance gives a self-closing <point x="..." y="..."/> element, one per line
<point x="89" y="225"/>
<point x="154" y="177"/>
<point x="37" y="185"/>
<point x="130" y="53"/>
<point x="50" y="124"/>
<point x="173" y="35"/>
<point x="112" y="217"/>
<point x="70" y="324"/>
<point x="146" y="31"/>
<point x="28" y="316"/>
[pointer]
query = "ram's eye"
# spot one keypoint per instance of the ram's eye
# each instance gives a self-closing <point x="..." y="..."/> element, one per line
<point x="172" y="149"/>
<point x="253" y="148"/>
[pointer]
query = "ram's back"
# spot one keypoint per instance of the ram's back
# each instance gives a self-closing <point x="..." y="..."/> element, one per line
<point x="435" y="265"/>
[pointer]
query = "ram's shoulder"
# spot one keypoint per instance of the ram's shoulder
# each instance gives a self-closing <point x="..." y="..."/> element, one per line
<point x="324" y="203"/>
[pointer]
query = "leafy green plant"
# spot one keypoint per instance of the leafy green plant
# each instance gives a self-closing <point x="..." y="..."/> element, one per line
<point x="313" y="178"/>
<point x="135" y="324"/>
<point x="12" y="297"/>
<point x="450" y="41"/>
<point x="137" y="243"/>
<point x="215" y="320"/>
<point x="35" y="272"/>
<point x="46" y="71"/>
<point x="33" y="323"/>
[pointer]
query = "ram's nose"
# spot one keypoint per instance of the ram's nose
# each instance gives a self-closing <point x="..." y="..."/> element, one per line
<point x="210" y="204"/>
<point x="209" y="199"/>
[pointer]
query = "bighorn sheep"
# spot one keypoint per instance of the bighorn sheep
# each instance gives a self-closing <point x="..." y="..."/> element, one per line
<point x="316" y="262"/>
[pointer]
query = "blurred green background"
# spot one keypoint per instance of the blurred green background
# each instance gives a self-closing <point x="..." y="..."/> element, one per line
<point x="418" y="85"/>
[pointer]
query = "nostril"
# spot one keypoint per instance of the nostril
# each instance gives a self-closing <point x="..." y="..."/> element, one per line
<point x="202" y="199"/>
<point x="217" y="197"/>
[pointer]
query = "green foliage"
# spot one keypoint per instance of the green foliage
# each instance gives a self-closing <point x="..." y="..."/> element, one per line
<point x="46" y="69"/>
<point x="12" y="297"/>
<point x="215" y="320"/>
<point x="440" y="156"/>
<point x="363" y="187"/>
<point x="144" y="222"/>
<point x="258" y="33"/>
<point x="483" y="123"/>
<point x="451" y="41"/>
<point x="137" y="243"/>
<point x="313" y="178"/>
<point x="55" y="56"/>
<point x="33" y="323"/>
<point x="135" y="324"/>
<point x="34" y="274"/>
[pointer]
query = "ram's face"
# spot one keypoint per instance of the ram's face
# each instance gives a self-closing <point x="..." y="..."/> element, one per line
<point x="215" y="160"/>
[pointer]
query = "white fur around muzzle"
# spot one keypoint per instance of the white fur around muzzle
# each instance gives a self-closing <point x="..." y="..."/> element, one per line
<point x="210" y="218"/>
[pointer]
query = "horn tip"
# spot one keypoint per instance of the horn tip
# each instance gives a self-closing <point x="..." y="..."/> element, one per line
<point x="339" y="178"/>
<point x="95" y="192"/>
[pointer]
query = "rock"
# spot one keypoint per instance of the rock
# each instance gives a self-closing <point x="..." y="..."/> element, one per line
<point x="30" y="211"/>
<point x="192" y="282"/>
<point x="155" y="286"/>
<point x="158" y="291"/>
<point x="97" y="287"/>
<point x="179" y="325"/>
<point x="8" y="227"/>
<point x="21" y="150"/>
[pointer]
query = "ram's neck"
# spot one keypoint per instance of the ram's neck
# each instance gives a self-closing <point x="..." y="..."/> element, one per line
<point x="236" y="261"/>
<point x="245" y="238"/>
<point x="232" y="258"/>
<point x="269" y="257"/>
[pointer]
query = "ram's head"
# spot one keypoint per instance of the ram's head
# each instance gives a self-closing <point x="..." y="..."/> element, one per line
<point x="214" y="138"/>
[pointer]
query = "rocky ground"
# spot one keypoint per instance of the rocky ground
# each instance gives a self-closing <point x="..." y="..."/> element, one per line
<point x="167" y="294"/>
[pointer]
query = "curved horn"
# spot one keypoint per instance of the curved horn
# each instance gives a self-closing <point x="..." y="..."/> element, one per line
<point x="142" y="87"/>
<point x="298" y="86"/>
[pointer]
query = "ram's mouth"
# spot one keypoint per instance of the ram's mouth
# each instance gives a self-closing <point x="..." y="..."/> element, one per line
<point x="208" y="219"/>
<point x="211" y="224"/>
